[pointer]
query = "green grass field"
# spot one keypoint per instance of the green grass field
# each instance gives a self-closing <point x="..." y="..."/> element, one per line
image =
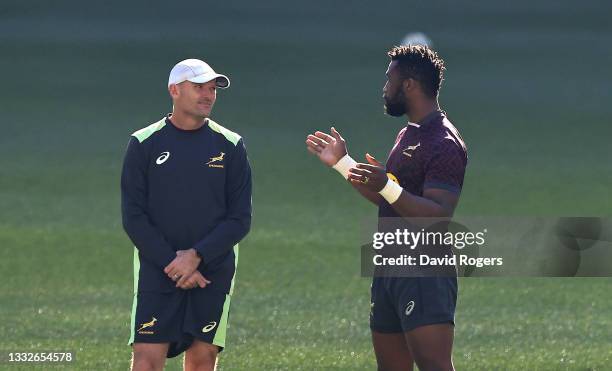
<point x="526" y="85"/>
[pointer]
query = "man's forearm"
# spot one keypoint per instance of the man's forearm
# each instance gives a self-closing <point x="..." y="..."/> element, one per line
<point x="149" y="242"/>
<point x="221" y="239"/>
<point x="409" y="205"/>
<point x="373" y="197"/>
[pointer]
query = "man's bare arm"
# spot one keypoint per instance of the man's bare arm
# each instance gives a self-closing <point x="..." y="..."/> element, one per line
<point x="434" y="202"/>
<point x="373" y="197"/>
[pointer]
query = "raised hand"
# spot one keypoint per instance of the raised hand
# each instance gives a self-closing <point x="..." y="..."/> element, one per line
<point x="328" y="148"/>
<point x="371" y="176"/>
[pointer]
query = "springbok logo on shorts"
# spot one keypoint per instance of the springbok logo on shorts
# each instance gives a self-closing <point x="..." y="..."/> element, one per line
<point x="147" y="325"/>
<point x="209" y="327"/>
<point x="409" y="307"/>
<point x="162" y="158"/>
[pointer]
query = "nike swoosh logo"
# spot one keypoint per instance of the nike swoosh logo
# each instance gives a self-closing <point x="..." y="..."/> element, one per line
<point x="162" y="158"/>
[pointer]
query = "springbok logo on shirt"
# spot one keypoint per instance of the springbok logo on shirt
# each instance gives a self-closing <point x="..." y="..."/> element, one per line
<point x="147" y="325"/>
<point x="406" y="152"/>
<point x="216" y="159"/>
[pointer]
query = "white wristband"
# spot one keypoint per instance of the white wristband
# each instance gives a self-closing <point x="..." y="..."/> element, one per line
<point x="391" y="191"/>
<point x="344" y="164"/>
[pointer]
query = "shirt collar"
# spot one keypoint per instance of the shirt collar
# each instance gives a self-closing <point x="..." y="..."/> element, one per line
<point x="432" y="116"/>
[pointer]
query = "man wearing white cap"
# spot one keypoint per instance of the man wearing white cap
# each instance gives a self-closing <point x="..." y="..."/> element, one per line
<point x="186" y="203"/>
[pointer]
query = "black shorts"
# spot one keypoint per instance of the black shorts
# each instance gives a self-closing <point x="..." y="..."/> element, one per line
<point x="401" y="304"/>
<point x="179" y="317"/>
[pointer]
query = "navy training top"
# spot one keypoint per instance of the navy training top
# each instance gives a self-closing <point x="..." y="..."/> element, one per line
<point x="183" y="189"/>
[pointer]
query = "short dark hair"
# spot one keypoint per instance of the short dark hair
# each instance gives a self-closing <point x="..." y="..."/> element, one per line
<point x="421" y="63"/>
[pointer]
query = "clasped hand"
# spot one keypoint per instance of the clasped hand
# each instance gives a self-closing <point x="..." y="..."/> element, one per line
<point x="183" y="270"/>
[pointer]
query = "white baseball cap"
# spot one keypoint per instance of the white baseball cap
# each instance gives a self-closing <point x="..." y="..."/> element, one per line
<point x="197" y="71"/>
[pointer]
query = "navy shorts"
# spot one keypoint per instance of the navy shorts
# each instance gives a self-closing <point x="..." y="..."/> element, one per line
<point x="179" y="317"/>
<point x="401" y="304"/>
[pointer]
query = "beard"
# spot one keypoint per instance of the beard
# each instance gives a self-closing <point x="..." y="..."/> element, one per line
<point x="396" y="106"/>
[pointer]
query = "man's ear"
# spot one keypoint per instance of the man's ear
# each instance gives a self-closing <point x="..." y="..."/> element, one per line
<point x="409" y="84"/>
<point x="173" y="90"/>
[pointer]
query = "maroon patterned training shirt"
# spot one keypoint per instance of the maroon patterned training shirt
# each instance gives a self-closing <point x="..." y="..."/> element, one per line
<point x="427" y="154"/>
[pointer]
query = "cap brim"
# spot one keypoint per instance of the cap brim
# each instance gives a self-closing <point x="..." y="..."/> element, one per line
<point x="221" y="80"/>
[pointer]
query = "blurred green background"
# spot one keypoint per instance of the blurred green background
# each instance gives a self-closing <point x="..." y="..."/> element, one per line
<point x="527" y="84"/>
